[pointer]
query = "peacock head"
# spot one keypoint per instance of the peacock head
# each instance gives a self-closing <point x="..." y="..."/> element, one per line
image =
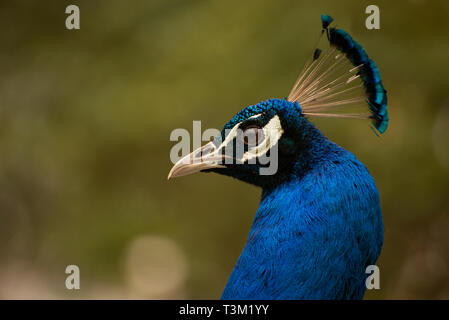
<point x="272" y="141"/>
<point x="261" y="145"/>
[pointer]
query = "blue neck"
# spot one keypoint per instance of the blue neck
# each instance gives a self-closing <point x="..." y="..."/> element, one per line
<point x="314" y="234"/>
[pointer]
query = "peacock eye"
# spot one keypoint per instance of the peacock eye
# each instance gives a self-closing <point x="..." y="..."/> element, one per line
<point x="253" y="135"/>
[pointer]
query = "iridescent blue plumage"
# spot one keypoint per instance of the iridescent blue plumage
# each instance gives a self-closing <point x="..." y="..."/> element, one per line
<point x="319" y="223"/>
<point x="376" y="93"/>
<point x="326" y="20"/>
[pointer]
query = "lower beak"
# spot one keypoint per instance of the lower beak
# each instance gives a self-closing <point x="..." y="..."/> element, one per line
<point x="205" y="157"/>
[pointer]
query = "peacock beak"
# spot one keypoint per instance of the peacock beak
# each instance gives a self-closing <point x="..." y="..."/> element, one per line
<point x="205" y="157"/>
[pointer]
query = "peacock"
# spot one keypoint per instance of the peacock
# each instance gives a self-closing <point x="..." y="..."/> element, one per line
<point x="319" y="222"/>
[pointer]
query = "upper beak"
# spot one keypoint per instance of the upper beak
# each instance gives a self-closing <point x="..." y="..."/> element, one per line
<point x="205" y="157"/>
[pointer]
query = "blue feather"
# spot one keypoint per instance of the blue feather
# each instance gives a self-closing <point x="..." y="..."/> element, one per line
<point x="317" y="230"/>
<point x="319" y="222"/>
<point x="326" y="20"/>
<point x="377" y="95"/>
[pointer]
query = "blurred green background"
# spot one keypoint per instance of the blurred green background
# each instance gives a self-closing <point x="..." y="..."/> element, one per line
<point x="86" y="115"/>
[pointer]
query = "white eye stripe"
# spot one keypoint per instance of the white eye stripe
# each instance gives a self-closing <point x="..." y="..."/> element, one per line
<point x="273" y="132"/>
<point x="255" y="116"/>
<point x="233" y="133"/>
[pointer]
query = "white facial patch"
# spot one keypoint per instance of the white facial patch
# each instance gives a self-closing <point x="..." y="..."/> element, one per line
<point x="233" y="133"/>
<point x="273" y="132"/>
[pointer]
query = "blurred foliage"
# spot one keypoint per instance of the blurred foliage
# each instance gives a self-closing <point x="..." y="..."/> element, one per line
<point x="86" y="115"/>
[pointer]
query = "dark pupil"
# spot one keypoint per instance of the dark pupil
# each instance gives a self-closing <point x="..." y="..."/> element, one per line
<point x="252" y="136"/>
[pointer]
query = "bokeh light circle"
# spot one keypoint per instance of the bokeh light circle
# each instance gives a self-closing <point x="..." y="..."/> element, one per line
<point x="155" y="268"/>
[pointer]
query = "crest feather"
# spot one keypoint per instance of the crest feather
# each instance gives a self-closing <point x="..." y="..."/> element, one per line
<point x="339" y="78"/>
